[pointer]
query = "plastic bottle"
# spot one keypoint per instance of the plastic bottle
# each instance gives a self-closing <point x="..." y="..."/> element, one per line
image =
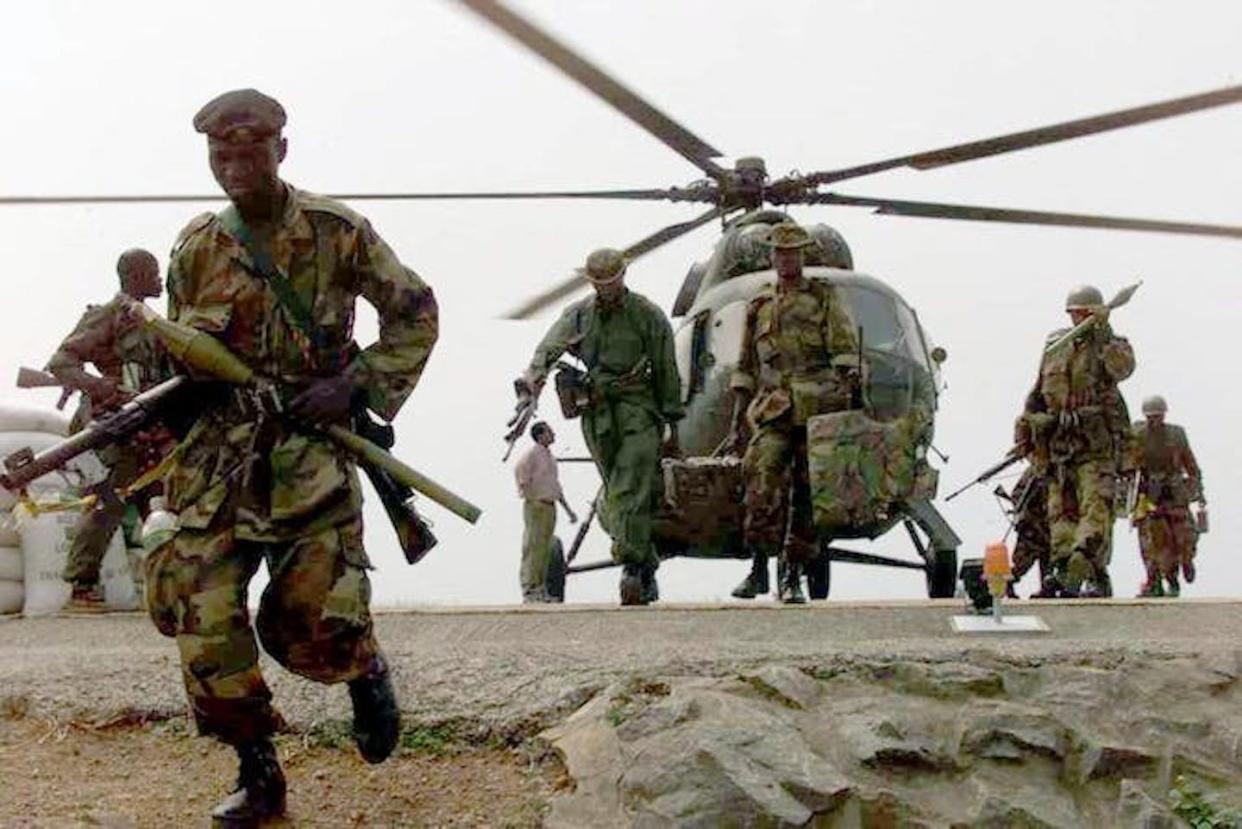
<point x="160" y="526"/>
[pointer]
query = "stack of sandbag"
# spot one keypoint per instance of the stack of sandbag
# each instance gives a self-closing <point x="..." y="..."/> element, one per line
<point x="20" y="428"/>
<point x="45" y="537"/>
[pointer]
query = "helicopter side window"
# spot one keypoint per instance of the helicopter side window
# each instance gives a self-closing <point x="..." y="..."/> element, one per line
<point x="700" y="357"/>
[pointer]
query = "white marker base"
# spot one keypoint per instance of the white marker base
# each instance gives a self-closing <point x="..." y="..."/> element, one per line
<point x="1006" y="624"/>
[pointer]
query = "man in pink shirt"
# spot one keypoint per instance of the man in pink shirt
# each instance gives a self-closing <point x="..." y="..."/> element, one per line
<point x="540" y="489"/>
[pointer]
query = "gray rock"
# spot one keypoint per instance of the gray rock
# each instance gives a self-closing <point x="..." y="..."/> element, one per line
<point x="996" y="730"/>
<point x="947" y="680"/>
<point x="1138" y="810"/>
<point x="890" y="742"/>
<point x="1101" y="761"/>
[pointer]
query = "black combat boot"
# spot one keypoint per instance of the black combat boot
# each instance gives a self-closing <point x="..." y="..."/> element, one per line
<point x="1188" y="571"/>
<point x="377" y="720"/>
<point x="1174" y="589"/>
<point x="631" y="585"/>
<point x="260" y="792"/>
<point x="1049" y="589"/>
<point x="756" y="582"/>
<point x="650" y="591"/>
<point x="790" y="590"/>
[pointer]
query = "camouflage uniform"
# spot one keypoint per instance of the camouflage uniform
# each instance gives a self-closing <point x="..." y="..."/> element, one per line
<point x="125" y="353"/>
<point x="1079" y="430"/>
<point x="249" y="485"/>
<point x="627" y="348"/>
<point x="1168" y="481"/>
<point x="1030" y="522"/>
<point x="793" y="346"/>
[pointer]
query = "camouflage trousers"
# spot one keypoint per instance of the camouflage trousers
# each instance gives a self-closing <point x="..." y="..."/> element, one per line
<point x="1167" y="541"/>
<point x="1033" y="544"/>
<point x="540" y="518"/>
<point x="778" y="483"/>
<point x="624" y="440"/>
<point x="94" y="530"/>
<point x="1080" y="520"/>
<point x="314" y="618"/>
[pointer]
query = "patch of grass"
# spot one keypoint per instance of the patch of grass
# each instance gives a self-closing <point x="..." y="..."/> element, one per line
<point x="1199" y="810"/>
<point x="336" y="734"/>
<point x="428" y="739"/>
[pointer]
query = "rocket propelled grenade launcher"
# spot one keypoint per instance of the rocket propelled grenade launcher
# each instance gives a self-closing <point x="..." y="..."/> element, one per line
<point x="25" y="466"/>
<point x="1123" y="296"/>
<point x="203" y="352"/>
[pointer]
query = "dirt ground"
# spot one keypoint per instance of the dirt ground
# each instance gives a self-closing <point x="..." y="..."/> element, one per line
<point x="128" y="774"/>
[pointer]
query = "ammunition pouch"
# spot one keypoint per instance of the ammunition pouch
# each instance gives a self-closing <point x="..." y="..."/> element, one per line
<point x="573" y="389"/>
<point x="821" y="394"/>
<point x="1093" y="424"/>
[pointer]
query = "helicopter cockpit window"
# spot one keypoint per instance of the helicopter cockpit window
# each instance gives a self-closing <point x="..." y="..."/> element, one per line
<point x="898" y="373"/>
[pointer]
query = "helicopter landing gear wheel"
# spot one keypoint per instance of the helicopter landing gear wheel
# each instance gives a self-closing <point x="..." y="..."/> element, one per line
<point x="554" y="580"/>
<point x="942" y="574"/>
<point x="819" y="577"/>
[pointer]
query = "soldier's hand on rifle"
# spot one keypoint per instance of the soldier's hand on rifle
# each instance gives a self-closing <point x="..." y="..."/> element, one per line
<point x="325" y="401"/>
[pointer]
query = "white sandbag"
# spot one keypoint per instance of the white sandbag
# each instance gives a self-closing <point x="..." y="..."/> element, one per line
<point x="11" y="594"/>
<point x="11" y="566"/>
<point x="9" y="536"/>
<point x="45" y="546"/>
<point x="28" y="419"/>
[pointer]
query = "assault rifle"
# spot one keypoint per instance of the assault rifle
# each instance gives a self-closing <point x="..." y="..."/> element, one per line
<point x="32" y="378"/>
<point x="1011" y="457"/>
<point x="522" y="415"/>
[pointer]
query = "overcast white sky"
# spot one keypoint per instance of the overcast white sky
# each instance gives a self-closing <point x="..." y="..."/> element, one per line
<point x="97" y="98"/>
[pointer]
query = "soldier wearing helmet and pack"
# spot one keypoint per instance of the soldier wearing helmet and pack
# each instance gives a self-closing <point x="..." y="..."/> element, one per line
<point x="798" y="359"/>
<point x="1078" y="429"/>
<point x="629" y="401"/>
<point x="1167" y="480"/>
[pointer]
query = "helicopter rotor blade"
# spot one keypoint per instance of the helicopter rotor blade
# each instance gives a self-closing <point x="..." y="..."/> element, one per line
<point x="573" y="283"/>
<point x="673" y="194"/>
<point x="1037" y="137"/>
<point x="692" y="148"/>
<point x="975" y="213"/>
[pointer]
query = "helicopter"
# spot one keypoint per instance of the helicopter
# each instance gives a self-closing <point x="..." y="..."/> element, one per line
<point x="903" y="365"/>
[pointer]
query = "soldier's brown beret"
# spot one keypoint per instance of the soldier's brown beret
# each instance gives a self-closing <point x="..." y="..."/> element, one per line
<point x="242" y="114"/>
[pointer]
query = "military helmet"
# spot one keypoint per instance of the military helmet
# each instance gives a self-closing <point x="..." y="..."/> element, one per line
<point x="603" y="266"/>
<point x="1154" y="405"/>
<point x="833" y="251"/>
<point x="1084" y="297"/>
<point x="788" y="235"/>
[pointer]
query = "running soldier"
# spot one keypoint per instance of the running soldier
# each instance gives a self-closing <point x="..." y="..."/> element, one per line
<point x="275" y="277"/>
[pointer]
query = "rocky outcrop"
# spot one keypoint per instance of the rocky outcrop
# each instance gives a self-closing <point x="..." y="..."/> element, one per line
<point x="965" y="743"/>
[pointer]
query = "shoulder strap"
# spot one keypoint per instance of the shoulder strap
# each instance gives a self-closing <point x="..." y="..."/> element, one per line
<point x="286" y="296"/>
